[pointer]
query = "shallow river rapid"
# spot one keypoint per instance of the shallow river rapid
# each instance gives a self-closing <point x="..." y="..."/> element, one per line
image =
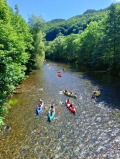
<point x="93" y="133"/>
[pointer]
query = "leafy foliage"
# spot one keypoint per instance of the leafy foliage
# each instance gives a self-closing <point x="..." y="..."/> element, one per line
<point x="75" y="25"/>
<point x="15" y="44"/>
<point x="111" y="38"/>
<point x="38" y="51"/>
<point x="95" y="47"/>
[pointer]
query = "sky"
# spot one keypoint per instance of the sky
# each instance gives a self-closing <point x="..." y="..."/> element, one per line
<point x="57" y="9"/>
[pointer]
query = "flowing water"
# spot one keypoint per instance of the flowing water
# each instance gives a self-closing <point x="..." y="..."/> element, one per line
<point x="93" y="133"/>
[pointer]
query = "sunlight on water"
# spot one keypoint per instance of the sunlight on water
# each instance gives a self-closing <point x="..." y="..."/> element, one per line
<point x="93" y="133"/>
<point x="60" y="92"/>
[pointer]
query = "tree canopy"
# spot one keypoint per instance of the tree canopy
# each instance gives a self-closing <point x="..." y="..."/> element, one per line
<point x="19" y="45"/>
<point x="96" y="46"/>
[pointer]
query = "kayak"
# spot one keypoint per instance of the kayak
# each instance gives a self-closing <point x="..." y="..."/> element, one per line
<point x="97" y="93"/>
<point x="38" y="109"/>
<point x="72" y="109"/>
<point x="51" y="116"/>
<point x="59" y="75"/>
<point x="70" y="94"/>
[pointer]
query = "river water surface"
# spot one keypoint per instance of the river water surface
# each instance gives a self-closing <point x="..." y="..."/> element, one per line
<point x="93" y="133"/>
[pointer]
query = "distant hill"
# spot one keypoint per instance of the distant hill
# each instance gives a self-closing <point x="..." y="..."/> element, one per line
<point x="56" y="20"/>
<point x="75" y="24"/>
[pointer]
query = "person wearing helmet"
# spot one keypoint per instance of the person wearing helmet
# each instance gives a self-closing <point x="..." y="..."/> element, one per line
<point x="52" y="110"/>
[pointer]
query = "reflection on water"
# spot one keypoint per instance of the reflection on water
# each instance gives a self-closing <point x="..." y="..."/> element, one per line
<point x="92" y="133"/>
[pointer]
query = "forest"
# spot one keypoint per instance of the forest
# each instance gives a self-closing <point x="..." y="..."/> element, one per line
<point x="90" y="41"/>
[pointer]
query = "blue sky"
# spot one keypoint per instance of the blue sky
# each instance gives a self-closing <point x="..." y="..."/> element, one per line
<point x="54" y="9"/>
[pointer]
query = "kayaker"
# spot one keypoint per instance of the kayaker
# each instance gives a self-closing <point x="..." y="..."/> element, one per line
<point x="40" y="103"/>
<point x="65" y="91"/>
<point x="71" y="105"/>
<point x="58" y="71"/>
<point x="68" y="101"/>
<point x="52" y="110"/>
<point x="97" y="91"/>
<point x="69" y="93"/>
<point x="93" y="95"/>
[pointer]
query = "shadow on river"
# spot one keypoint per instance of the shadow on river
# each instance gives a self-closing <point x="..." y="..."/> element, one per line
<point x="93" y="133"/>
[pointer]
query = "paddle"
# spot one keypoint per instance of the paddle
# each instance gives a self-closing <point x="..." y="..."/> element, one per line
<point x="60" y="102"/>
<point x="63" y="103"/>
<point x="60" y="92"/>
<point x="56" y="110"/>
<point x="46" y="108"/>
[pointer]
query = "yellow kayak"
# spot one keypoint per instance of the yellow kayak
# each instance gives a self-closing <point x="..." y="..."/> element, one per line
<point x="97" y="93"/>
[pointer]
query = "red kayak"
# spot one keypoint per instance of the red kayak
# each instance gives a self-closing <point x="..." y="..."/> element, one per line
<point x="63" y="70"/>
<point x="59" y="75"/>
<point x="70" y="106"/>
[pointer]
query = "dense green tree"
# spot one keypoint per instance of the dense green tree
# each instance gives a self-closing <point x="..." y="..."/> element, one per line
<point x="70" y="48"/>
<point x="89" y="41"/>
<point x="4" y="11"/>
<point x="36" y="24"/>
<point x="38" y="52"/>
<point x="76" y="24"/>
<point x="15" y="44"/>
<point x="16" y="9"/>
<point x="55" y="49"/>
<point x="97" y="44"/>
<point x="111" y="38"/>
<point x="62" y="48"/>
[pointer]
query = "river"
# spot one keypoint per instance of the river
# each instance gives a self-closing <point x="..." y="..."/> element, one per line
<point x="93" y="133"/>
